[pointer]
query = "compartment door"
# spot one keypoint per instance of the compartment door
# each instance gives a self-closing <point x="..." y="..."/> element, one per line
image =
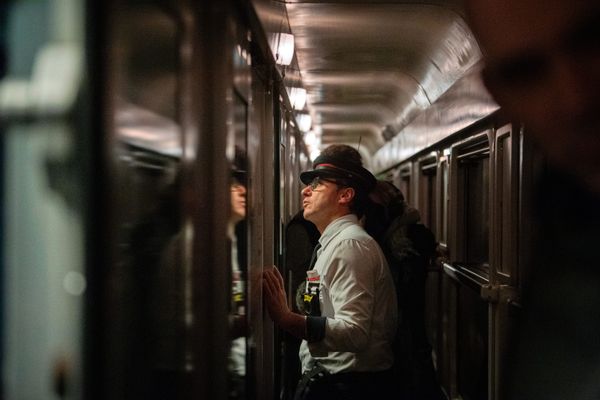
<point x="503" y="292"/>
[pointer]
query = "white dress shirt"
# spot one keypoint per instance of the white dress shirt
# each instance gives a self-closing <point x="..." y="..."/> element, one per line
<point x="358" y="300"/>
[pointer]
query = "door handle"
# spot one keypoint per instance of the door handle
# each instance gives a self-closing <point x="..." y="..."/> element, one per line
<point x="501" y="294"/>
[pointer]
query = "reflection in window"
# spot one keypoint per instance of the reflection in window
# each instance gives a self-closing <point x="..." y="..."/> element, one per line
<point x="147" y="293"/>
<point x="237" y="232"/>
<point x="148" y="34"/>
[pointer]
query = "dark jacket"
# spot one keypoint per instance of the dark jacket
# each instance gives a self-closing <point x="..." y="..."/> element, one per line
<point x="410" y="247"/>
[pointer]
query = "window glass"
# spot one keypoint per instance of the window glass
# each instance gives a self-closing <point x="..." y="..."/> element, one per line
<point x="444" y="201"/>
<point x="503" y="196"/>
<point x="147" y="276"/>
<point x="404" y="183"/>
<point x="473" y="198"/>
<point x="427" y="194"/>
<point x="238" y="237"/>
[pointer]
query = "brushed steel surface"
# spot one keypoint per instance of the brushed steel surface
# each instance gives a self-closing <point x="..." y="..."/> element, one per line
<point x="371" y="67"/>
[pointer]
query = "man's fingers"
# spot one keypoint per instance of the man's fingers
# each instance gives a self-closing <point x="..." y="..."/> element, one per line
<point x="274" y="278"/>
<point x="279" y="277"/>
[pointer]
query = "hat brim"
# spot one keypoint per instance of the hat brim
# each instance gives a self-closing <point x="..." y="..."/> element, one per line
<point x="351" y="174"/>
<point x="307" y="176"/>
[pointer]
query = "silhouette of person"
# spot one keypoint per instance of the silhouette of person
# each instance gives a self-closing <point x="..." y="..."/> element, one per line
<point x="542" y="65"/>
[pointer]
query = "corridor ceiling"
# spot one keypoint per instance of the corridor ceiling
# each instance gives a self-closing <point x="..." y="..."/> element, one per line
<point x="371" y="67"/>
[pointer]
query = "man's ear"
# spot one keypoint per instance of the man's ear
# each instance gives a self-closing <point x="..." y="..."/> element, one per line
<point x="346" y="195"/>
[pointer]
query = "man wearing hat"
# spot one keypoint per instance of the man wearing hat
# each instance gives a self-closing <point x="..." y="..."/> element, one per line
<point x="350" y="301"/>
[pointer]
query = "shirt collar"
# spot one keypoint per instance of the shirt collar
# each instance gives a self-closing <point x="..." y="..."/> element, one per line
<point x="335" y="227"/>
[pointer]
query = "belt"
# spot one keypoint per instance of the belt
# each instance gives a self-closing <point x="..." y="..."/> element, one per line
<point x="362" y="376"/>
<point x="318" y="374"/>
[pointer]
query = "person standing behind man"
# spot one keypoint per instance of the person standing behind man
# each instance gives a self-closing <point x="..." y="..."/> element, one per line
<point x="409" y="247"/>
<point x="346" y="350"/>
<point x="542" y="65"/>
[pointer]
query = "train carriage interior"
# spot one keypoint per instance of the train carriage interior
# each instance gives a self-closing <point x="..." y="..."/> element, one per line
<point x="150" y="154"/>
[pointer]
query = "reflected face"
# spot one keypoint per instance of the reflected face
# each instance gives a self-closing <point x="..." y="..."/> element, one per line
<point x="320" y="202"/>
<point x="543" y="68"/>
<point x="238" y="201"/>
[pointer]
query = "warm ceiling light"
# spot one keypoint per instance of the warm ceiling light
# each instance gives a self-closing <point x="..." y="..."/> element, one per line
<point x="297" y="97"/>
<point x="282" y="46"/>
<point x="311" y="139"/>
<point x="304" y="122"/>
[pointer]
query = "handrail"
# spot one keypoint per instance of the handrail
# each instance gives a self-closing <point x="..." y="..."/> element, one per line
<point x="465" y="275"/>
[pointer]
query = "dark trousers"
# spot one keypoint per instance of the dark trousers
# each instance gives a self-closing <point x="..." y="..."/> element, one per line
<point x="345" y="386"/>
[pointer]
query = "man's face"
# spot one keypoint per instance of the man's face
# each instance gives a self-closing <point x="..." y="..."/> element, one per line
<point x="543" y="68"/>
<point x="320" y="202"/>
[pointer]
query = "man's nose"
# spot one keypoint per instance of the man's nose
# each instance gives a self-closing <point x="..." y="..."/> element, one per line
<point x="306" y="191"/>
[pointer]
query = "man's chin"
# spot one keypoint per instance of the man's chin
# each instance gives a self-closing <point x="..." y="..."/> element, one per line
<point x="306" y="214"/>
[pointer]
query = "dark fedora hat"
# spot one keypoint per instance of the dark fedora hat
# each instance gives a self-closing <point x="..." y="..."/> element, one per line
<point x="239" y="165"/>
<point x="350" y="173"/>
